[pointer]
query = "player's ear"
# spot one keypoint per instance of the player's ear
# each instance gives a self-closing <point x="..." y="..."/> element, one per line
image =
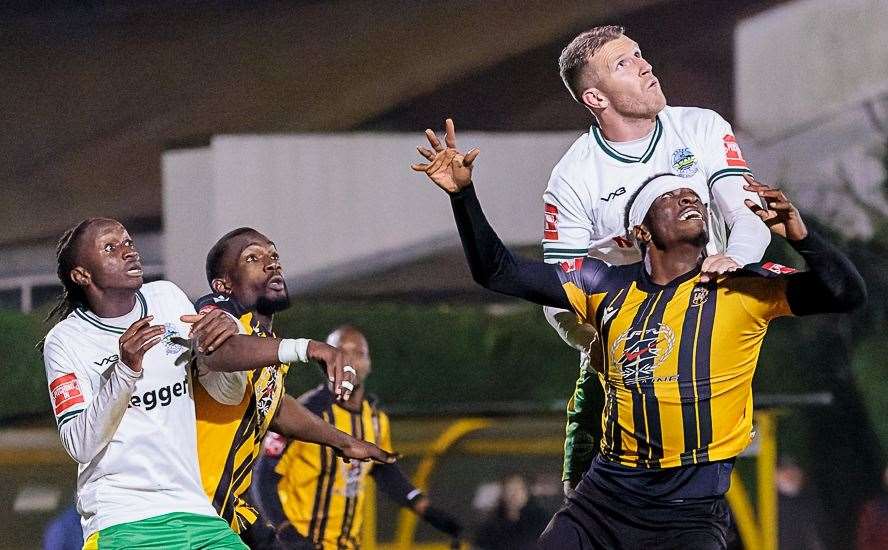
<point x="222" y="286"/>
<point x="641" y="234"/>
<point x="594" y="99"/>
<point x="81" y="276"/>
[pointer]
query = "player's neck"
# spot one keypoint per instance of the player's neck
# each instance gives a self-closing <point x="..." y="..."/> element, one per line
<point x="618" y="128"/>
<point x="668" y="265"/>
<point x="112" y="303"/>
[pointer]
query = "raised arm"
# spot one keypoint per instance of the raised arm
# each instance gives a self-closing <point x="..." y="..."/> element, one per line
<point x="492" y="265"/>
<point x="832" y="284"/>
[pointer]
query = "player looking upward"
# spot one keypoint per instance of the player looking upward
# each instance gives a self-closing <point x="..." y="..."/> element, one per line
<point x="679" y="352"/>
<point x="634" y="135"/>
<point x="243" y="269"/>
<point x="117" y="364"/>
<point x="303" y="488"/>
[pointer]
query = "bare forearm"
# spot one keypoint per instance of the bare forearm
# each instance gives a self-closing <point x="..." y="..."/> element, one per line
<point x="294" y="421"/>
<point x="241" y="352"/>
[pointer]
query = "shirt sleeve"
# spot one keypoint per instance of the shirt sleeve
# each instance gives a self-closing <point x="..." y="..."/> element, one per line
<point x="580" y="278"/>
<point x="390" y="479"/>
<point x="567" y="227"/>
<point x="724" y="167"/>
<point x="227" y="388"/>
<point x="87" y="417"/>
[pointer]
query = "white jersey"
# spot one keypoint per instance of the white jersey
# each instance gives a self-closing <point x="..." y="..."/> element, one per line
<point x="135" y="432"/>
<point x="591" y="185"/>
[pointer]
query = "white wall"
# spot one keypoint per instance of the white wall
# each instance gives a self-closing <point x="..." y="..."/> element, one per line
<point x="811" y="95"/>
<point x="341" y="201"/>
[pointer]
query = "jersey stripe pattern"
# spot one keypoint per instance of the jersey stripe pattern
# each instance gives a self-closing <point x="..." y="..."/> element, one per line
<point x="229" y="437"/>
<point x="679" y="359"/>
<point x="322" y="495"/>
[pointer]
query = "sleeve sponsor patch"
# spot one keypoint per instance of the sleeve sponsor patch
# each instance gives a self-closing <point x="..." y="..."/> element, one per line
<point x="274" y="445"/>
<point x="778" y="268"/>
<point x="65" y="392"/>
<point x="550" y="230"/>
<point x="569" y="266"/>
<point x="733" y="156"/>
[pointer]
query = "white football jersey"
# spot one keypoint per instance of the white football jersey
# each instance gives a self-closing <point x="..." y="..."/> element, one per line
<point x="590" y="186"/>
<point x="150" y="466"/>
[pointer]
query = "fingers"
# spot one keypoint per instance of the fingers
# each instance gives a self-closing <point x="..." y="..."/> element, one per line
<point x="191" y="318"/>
<point x="470" y="157"/>
<point x="433" y="140"/>
<point x="383" y="457"/>
<point x="427" y="153"/>
<point x="420" y="167"/>
<point x="449" y="133"/>
<point x="215" y="335"/>
<point x="135" y="327"/>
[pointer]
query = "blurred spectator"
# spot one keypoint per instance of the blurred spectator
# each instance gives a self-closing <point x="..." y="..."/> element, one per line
<point x="800" y="513"/>
<point x="64" y="531"/>
<point x="516" y="522"/>
<point x="872" y="526"/>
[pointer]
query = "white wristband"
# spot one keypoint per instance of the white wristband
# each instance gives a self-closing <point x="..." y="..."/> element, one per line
<point x="293" y="350"/>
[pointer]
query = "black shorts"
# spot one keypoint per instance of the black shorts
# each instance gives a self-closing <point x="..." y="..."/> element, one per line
<point x="262" y="535"/>
<point x="594" y="518"/>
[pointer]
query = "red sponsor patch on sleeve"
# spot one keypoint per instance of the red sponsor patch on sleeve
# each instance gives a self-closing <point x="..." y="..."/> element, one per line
<point x="778" y="268"/>
<point x="550" y="230"/>
<point x="569" y="266"/>
<point x="274" y="445"/>
<point x="65" y="392"/>
<point x="733" y="156"/>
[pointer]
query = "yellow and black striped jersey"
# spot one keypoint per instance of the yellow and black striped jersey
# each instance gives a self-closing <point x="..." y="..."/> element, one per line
<point x="679" y="359"/>
<point x="320" y="494"/>
<point x="229" y="437"/>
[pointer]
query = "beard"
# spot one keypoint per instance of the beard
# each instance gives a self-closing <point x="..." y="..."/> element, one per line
<point x="270" y="306"/>
<point x="646" y="107"/>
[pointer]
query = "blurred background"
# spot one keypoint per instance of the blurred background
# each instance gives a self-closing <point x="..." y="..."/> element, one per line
<point x="184" y="119"/>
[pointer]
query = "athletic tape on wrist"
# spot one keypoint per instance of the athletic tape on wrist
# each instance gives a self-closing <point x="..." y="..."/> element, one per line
<point x="293" y="350"/>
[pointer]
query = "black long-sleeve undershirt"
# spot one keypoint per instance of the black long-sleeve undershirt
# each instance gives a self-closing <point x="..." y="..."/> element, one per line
<point x="831" y="285"/>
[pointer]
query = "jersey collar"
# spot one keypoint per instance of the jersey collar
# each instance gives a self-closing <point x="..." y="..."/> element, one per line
<point x="648" y="152"/>
<point x="95" y="321"/>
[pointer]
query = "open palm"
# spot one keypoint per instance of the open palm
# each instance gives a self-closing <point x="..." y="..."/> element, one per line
<point x="447" y="167"/>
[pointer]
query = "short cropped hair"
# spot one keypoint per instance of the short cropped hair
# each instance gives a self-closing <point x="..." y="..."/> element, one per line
<point x="575" y="57"/>
<point x="215" y="255"/>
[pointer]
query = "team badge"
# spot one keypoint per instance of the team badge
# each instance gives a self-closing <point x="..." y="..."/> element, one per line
<point x="171" y="340"/>
<point x="699" y="296"/>
<point x="65" y="391"/>
<point x="643" y="351"/>
<point x="684" y="163"/>
<point x="550" y="230"/>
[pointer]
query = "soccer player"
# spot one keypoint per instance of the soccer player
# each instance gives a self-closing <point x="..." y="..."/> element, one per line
<point x="679" y="353"/>
<point x="117" y="366"/>
<point x="305" y="490"/>
<point x="244" y="271"/>
<point x="634" y="135"/>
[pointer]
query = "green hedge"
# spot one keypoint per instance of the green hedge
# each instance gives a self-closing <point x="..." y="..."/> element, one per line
<point x="423" y="356"/>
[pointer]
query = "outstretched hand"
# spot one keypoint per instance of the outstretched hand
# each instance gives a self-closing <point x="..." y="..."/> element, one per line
<point x="447" y="167"/>
<point x="781" y="216"/>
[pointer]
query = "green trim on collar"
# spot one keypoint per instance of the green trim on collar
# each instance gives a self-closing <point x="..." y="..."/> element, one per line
<point x="90" y="318"/>
<point x="648" y="152"/>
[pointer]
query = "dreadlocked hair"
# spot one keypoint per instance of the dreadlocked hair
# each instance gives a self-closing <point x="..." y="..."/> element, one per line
<point x="72" y="295"/>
